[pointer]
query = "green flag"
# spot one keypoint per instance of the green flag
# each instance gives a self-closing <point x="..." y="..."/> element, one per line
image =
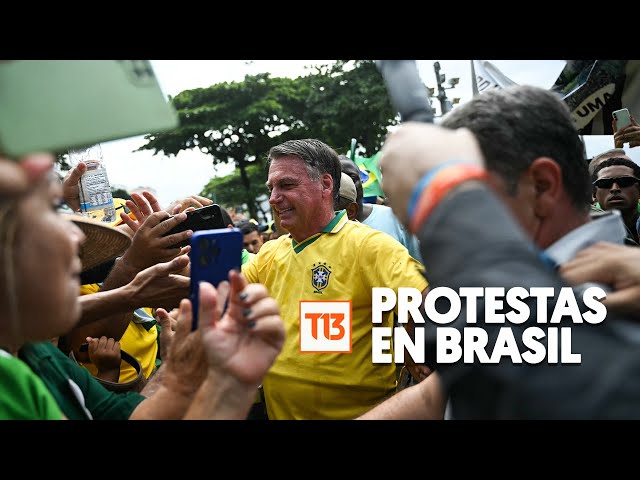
<point x="371" y="176"/>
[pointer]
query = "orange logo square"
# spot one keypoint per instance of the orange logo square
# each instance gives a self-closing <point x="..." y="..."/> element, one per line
<point x="325" y="326"/>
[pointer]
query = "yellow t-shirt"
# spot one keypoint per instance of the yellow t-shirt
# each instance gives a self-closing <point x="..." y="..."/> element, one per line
<point x="136" y="341"/>
<point x="331" y="385"/>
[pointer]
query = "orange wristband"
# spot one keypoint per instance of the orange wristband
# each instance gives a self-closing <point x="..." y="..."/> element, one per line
<point x="443" y="182"/>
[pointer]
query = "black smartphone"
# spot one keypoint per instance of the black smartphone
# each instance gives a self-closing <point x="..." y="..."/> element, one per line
<point x="213" y="254"/>
<point x="204" y="218"/>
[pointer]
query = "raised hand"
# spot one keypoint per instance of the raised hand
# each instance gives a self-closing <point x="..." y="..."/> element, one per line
<point x="630" y="134"/>
<point x="142" y="207"/>
<point x="104" y="353"/>
<point x="245" y="341"/>
<point x="149" y="245"/>
<point x="70" y="187"/>
<point x="415" y="149"/>
<point x="160" y="285"/>
<point x="615" y="265"/>
<point x="194" y="201"/>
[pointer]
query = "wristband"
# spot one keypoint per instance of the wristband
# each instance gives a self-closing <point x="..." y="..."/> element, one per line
<point x="439" y="186"/>
<point x="424" y="183"/>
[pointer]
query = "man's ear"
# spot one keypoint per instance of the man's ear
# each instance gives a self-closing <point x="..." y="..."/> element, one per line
<point x="327" y="183"/>
<point x="546" y="175"/>
<point x="352" y="211"/>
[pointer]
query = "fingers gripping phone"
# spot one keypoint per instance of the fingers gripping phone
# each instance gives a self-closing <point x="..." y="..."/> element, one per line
<point x="622" y="118"/>
<point x="205" y="218"/>
<point x="213" y="254"/>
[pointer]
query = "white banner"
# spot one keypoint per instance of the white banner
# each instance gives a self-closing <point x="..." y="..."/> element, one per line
<point x="485" y="75"/>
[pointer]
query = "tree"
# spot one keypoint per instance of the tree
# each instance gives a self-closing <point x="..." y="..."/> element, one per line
<point x="120" y="193"/>
<point x="350" y="100"/>
<point x="241" y="121"/>
<point x="236" y="121"/>
<point x="229" y="190"/>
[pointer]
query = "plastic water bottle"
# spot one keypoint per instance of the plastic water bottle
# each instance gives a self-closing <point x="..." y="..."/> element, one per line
<point x="96" y="200"/>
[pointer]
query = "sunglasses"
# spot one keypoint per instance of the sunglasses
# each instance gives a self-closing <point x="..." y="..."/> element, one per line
<point x="622" y="182"/>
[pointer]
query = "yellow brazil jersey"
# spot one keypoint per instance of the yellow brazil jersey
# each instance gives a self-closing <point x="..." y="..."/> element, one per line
<point x="353" y="258"/>
<point x="136" y="341"/>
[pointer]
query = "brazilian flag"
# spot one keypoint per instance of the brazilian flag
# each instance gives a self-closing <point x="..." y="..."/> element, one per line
<point x="370" y="176"/>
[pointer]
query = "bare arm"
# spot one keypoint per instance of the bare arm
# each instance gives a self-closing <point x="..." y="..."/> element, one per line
<point x="108" y="313"/>
<point x="163" y="404"/>
<point x="424" y="401"/>
<point x="221" y="397"/>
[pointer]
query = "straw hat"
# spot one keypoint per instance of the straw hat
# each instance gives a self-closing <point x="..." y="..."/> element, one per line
<point x="103" y="242"/>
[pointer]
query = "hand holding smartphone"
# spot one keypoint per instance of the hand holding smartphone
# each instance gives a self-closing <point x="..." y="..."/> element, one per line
<point x="213" y="254"/>
<point x="622" y="118"/>
<point x="205" y="218"/>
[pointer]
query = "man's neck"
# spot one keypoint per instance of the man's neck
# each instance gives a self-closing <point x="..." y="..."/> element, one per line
<point x="323" y="221"/>
<point x="365" y="211"/>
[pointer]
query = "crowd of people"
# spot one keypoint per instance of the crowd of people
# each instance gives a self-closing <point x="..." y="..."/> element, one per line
<point x="482" y="199"/>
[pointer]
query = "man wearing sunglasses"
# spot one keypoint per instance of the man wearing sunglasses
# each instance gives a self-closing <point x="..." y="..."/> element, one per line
<point x="616" y="186"/>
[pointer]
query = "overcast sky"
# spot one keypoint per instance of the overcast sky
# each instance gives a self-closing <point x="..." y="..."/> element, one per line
<point x="190" y="171"/>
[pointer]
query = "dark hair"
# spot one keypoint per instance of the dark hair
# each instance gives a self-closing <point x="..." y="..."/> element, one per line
<point x="246" y="227"/>
<point x="518" y="124"/>
<point x="609" y="162"/>
<point x="318" y="157"/>
<point x="614" y="152"/>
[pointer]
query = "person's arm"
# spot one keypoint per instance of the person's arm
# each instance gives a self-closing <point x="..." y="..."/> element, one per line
<point x="609" y="264"/>
<point x="240" y="347"/>
<point x="104" y="353"/>
<point x="164" y="404"/>
<point x="217" y="368"/>
<point x="107" y="313"/>
<point x="221" y="397"/>
<point x="425" y="401"/>
<point x="469" y="239"/>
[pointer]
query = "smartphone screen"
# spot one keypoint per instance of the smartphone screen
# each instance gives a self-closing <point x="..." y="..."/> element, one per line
<point x="213" y="254"/>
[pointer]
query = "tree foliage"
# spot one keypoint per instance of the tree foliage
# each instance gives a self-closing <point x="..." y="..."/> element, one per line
<point x="347" y="101"/>
<point x="241" y="121"/>
<point x="229" y="190"/>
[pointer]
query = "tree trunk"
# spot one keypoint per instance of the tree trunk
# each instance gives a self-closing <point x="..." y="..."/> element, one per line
<point x="251" y="203"/>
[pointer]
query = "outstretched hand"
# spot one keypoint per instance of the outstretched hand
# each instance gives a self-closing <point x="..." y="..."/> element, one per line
<point x="611" y="264"/>
<point x="244" y="341"/>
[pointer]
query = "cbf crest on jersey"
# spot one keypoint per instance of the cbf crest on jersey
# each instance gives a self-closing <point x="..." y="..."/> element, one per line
<point x="320" y="274"/>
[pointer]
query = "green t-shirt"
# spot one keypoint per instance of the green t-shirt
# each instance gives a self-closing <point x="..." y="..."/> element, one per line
<point x="74" y="388"/>
<point x="24" y="396"/>
<point x="246" y="256"/>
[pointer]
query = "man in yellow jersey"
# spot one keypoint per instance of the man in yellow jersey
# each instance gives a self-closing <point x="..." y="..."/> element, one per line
<point x="322" y="274"/>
